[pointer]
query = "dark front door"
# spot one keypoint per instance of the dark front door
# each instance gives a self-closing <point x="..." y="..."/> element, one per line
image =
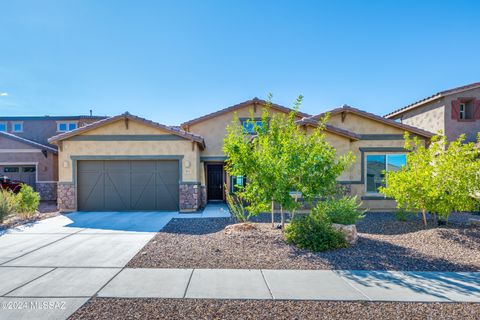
<point x="215" y="182"/>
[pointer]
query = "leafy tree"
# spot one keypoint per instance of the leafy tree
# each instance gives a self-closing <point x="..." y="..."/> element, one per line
<point x="439" y="179"/>
<point x="280" y="158"/>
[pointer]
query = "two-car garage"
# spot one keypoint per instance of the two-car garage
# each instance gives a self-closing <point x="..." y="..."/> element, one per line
<point x="127" y="185"/>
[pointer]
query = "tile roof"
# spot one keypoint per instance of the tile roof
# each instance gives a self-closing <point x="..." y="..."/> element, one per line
<point x="26" y="118"/>
<point x="238" y="106"/>
<point x="435" y="96"/>
<point x="126" y="115"/>
<point x="27" y="141"/>
<point x="371" y="116"/>
<point x="329" y="128"/>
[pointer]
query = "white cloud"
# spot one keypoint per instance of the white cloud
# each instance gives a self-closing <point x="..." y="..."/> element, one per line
<point x="3" y="94"/>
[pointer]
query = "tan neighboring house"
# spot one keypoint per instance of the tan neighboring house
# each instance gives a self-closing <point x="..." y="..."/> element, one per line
<point x="127" y="163"/>
<point x="455" y="111"/>
<point x="26" y="155"/>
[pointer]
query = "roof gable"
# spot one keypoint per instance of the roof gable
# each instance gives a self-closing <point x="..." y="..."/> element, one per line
<point x="126" y="117"/>
<point x="345" y="109"/>
<point x="431" y="98"/>
<point x="27" y="142"/>
<point x="329" y="128"/>
<point x="255" y="101"/>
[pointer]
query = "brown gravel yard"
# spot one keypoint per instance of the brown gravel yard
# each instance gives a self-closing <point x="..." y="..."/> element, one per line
<point x="103" y="308"/>
<point x="384" y="244"/>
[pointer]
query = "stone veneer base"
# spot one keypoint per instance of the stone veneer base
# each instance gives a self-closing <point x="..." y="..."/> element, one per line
<point x="66" y="196"/>
<point x="190" y="197"/>
<point x="47" y="190"/>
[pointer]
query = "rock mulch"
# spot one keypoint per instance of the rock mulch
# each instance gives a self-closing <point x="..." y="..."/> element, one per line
<point x="107" y="308"/>
<point x="383" y="244"/>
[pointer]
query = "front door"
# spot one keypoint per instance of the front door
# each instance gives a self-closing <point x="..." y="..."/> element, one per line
<point x="215" y="182"/>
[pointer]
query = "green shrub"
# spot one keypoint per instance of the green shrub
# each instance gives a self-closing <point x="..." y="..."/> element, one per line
<point x="26" y="201"/>
<point x="314" y="232"/>
<point x="7" y="204"/>
<point x="345" y="210"/>
<point x="236" y="207"/>
<point x="402" y="214"/>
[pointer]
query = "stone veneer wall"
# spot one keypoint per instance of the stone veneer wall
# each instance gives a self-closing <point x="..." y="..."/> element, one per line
<point x="203" y="199"/>
<point x="47" y="190"/>
<point x="66" y="196"/>
<point x="190" y="197"/>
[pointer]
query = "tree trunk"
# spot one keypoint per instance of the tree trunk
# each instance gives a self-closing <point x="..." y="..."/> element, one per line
<point x="296" y="200"/>
<point x="282" y="217"/>
<point x="273" y="214"/>
<point x="424" y="215"/>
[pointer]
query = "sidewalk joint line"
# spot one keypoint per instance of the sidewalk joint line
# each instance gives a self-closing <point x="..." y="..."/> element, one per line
<point x="41" y="247"/>
<point x="266" y="283"/>
<point x="106" y="283"/>
<point x="28" y="282"/>
<point x="188" y="283"/>
<point x="355" y="288"/>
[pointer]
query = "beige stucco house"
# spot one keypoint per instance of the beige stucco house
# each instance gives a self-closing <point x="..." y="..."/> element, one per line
<point x="453" y="112"/>
<point x="130" y="163"/>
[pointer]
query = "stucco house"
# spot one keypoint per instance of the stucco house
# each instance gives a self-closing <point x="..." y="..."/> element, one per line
<point x="26" y="155"/>
<point x="129" y="163"/>
<point x="454" y="111"/>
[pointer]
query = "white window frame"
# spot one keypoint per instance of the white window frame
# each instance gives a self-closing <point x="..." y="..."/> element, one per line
<point x="386" y="168"/>
<point x="6" y="126"/>
<point x="67" y="123"/>
<point x="15" y="123"/>
<point x="462" y="111"/>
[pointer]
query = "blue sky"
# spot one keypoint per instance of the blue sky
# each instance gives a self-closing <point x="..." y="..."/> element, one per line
<point x="171" y="61"/>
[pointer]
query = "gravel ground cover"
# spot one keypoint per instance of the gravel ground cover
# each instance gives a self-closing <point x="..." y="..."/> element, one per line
<point x="108" y="308"/>
<point x="384" y="244"/>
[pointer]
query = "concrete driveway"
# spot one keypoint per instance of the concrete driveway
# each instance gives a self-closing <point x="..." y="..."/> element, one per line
<point x="50" y="268"/>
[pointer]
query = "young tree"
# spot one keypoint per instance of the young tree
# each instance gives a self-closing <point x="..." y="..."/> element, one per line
<point x="280" y="158"/>
<point x="439" y="179"/>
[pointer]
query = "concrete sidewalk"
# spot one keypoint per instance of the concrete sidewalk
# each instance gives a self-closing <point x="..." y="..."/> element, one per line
<point x="56" y="292"/>
<point x="295" y="285"/>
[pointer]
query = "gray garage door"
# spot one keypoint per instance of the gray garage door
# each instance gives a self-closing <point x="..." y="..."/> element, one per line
<point x="127" y="185"/>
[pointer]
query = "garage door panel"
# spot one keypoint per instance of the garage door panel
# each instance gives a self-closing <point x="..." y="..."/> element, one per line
<point x="90" y="190"/>
<point x="128" y="185"/>
<point x="143" y="191"/>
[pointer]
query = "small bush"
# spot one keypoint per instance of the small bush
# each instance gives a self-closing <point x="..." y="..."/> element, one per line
<point x="26" y="201"/>
<point x="403" y="215"/>
<point x="345" y="210"/>
<point x="7" y="204"/>
<point x="236" y="207"/>
<point x="314" y="232"/>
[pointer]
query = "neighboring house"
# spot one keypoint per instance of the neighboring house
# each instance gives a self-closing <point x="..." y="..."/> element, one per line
<point x="25" y="153"/>
<point x="130" y="163"/>
<point x="455" y="111"/>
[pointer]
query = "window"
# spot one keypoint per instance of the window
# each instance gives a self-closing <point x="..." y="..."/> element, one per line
<point x="377" y="165"/>
<point x="237" y="182"/>
<point x="3" y="126"/>
<point x="66" y="126"/>
<point x="17" y="126"/>
<point x="11" y="169"/>
<point x="28" y="169"/>
<point x="249" y="125"/>
<point x="466" y="110"/>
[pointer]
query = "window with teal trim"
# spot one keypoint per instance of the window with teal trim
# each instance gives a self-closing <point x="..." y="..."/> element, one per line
<point x="378" y="164"/>
<point x="249" y="125"/>
<point x="237" y="183"/>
